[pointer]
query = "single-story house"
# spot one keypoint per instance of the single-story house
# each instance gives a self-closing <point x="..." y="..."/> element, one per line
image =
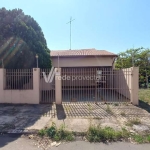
<point x="82" y="58"/>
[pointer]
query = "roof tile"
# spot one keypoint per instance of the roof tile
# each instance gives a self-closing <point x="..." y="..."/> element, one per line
<point x="82" y="52"/>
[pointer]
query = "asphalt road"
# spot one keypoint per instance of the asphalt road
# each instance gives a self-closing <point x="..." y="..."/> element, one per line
<point x="20" y="143"/>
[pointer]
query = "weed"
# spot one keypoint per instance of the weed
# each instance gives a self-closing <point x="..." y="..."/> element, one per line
<point x="62" y="134"/>
<point x="42" y="132"/>
<point x="108" y="110"/>
<point x="133" y="122"/>
<point x="51" y="131"/>
<point x="123" y="114"/>
<point x="138" y="138"/>
<point x="116" y="104"/>
<point x="98" y="134"/>
<point x="148" y="138"/>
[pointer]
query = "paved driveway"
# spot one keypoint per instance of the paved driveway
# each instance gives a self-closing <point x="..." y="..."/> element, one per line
<point x="24" y="116"/>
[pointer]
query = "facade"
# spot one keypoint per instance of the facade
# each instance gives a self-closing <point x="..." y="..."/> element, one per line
<point x="86" y="75"/>
<point x="82" y="58"/>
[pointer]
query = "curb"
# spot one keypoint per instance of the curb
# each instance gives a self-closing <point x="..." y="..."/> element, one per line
<point x="19" y="131"/>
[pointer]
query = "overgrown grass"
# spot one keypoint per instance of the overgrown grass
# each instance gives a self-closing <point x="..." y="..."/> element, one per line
<point x="57" y="134"/>
<point x="94" y="134"/>
<point x="141" y="138"/>
<point x="134" y="121"/>
<point x="144" y="95"/>
<point x="98" y="134"/>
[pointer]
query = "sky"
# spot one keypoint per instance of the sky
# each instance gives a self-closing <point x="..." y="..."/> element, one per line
<point x="113" y="25"/>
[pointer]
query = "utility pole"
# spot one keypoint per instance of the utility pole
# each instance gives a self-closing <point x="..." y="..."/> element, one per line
<point x="71" y="20"/>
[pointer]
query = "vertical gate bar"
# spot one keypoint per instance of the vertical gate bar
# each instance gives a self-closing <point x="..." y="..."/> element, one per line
<point x="121" y="76"/>
<point x="82" y="98"/>
<point x="69" y="97"/>
<point x="119" y="86"/>
<point x="79" y="88"/>
<point x="71" y="84"/>
<point x="127" y="85"/>
<point x="111" y="83"/>
<point x="65" y="85"/>
<point x="15" y="74"/>
<point x="88" y="84"/>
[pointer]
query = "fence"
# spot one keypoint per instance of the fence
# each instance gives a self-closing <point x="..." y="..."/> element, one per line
<point x="94" y="84"/>
<point x="97" y="84"/>
<point x="17" y="79"/>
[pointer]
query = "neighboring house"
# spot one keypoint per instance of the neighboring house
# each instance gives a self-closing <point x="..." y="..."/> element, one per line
<point x="82" y="58"/>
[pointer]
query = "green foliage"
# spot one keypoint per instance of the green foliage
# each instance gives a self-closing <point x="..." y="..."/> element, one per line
<point x="141" y="138"/>
<point x="144" y="95"/>
<point x="98" y="134"/>
<point x="42" y="132"/>
<point x="139" y="58"/>
<point x="17" y="29"/>
<point x="62" y="134"/>
<point x="51" y="131"/>
<point x="57" y="134"/>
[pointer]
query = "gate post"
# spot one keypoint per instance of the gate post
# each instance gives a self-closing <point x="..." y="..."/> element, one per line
<point x="135" y="86"/>
<point x="36" y="86"/>
<point x="58" y="88"/>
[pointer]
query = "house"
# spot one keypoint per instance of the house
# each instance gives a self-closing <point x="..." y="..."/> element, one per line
<point x="82" y="58"/>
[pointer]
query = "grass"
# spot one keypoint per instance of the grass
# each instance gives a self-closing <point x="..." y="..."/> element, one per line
<point x="94" y="134"/>
<point x="98" y="134"/>
<point x="144" y="95"/>
<point x="57" y="134"/>
<point x="141" y="138"/>
<point x="134" y="121"/>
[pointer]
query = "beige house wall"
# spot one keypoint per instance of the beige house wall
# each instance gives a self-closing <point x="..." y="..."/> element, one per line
<point x="82" y="61"/>
<point x="122" y="82"/>
<point x="20" y="96"/>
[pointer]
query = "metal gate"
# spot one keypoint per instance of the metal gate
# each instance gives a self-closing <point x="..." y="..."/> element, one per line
<point x="47" y="90"/>
<point x="96" y="84"/>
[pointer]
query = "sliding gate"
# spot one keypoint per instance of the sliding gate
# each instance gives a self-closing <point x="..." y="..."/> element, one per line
<point x="95" y="84"/>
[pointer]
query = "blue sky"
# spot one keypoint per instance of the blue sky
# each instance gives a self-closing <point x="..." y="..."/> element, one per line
<point x="113" y="25"/>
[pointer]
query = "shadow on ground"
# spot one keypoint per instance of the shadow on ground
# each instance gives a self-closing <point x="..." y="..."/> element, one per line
<point x="60" y="112"/>
<point x="18" y="118"/>
<point x="144" y="105"/>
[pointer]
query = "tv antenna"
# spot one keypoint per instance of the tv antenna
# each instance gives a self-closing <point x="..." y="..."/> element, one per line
<point x="71" y="20"/>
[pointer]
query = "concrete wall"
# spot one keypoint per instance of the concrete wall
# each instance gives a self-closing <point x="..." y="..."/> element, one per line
<point x="126" y="83"/>
<point x="20" y="96"/>
<point x="82" y="61"/>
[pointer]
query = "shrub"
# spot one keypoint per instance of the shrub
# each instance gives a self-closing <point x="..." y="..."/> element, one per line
<point x="51" y="131"/>
<point x="42" y="132"/>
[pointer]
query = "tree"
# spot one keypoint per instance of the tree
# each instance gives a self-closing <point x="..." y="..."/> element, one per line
<point x="21" y="34"/>
<point x="138" y="58"/>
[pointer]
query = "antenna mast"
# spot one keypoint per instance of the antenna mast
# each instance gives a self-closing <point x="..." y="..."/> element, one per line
<point x="71" y="20"/>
